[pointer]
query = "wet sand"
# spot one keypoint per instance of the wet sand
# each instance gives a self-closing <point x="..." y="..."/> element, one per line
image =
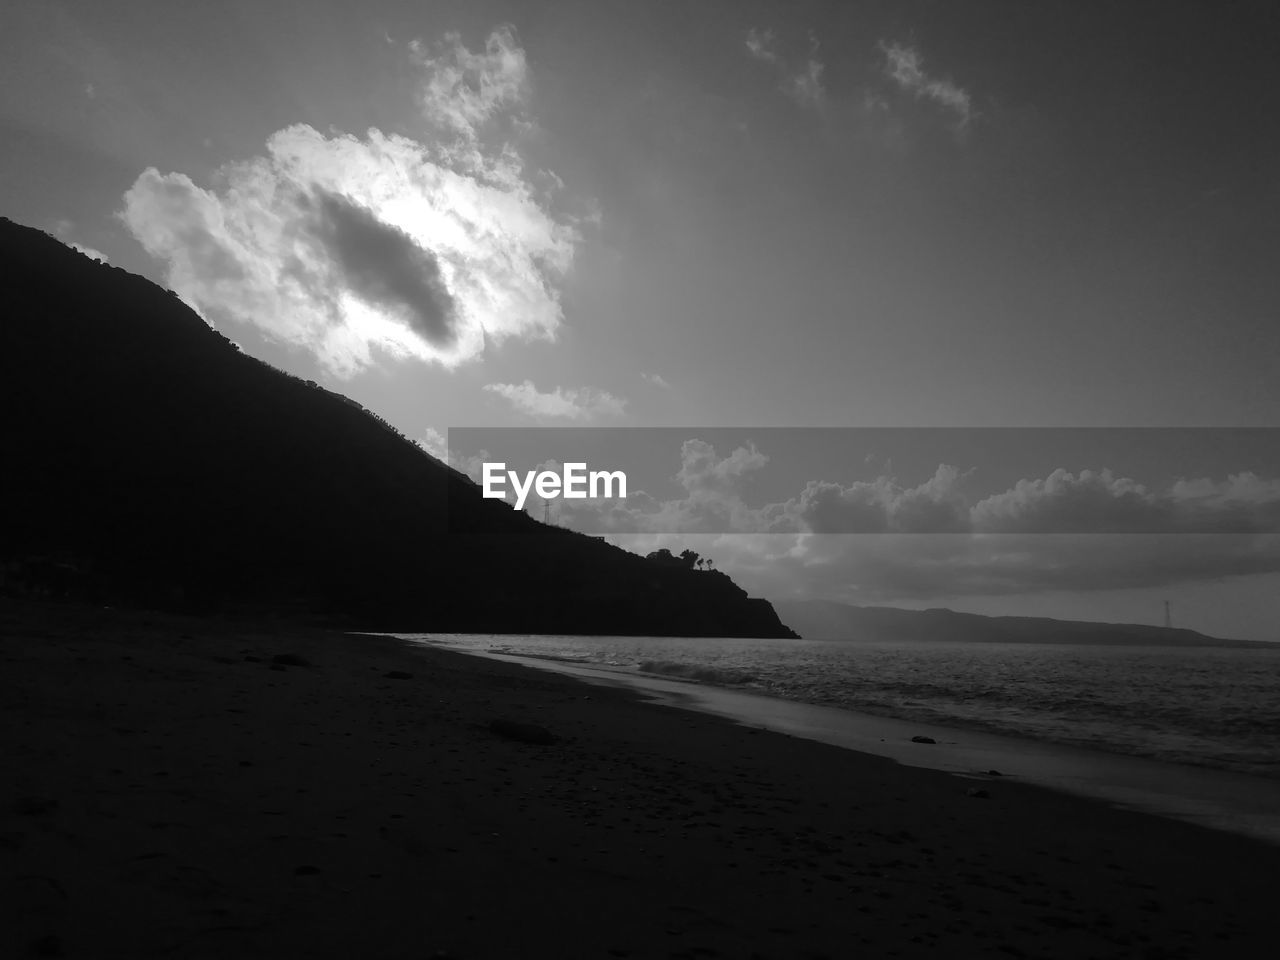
<point x="1224" y="799"/>
<point x="170" y="791"/>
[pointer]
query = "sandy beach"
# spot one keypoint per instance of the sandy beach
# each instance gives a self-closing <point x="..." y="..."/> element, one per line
<point x="1228" y="800"/>
<point x="173" y="790"/>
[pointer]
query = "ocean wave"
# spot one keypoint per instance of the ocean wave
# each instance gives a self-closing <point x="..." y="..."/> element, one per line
<point x="700" y="674"/>
<point x="1215" y="708"/>
<point x="559" y="658"/>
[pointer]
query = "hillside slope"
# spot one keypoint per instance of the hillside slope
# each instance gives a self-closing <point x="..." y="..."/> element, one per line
<point x="149" y="461"/>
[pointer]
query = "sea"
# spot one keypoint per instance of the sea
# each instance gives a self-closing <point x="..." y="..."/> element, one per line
<point x="1210" y="707"/>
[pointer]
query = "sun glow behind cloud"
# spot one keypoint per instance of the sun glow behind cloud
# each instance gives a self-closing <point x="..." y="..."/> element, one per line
<point x="356" y="248"/>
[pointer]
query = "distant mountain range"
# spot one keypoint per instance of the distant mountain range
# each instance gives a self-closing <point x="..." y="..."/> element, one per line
<point x="827" y="620"/>
<point x="147" y="460"/>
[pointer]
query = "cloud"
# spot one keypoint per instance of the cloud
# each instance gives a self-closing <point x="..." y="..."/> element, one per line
<point x="1088" y="502"/>
<point x="1094" y="502"/>
<point x="882" y="506"/>
<point x="1099" y="502"/>
<point x="580" y="403"/>
<point x="471" y="465"/>
<point x="904" y="65"/>
<point x="62" y="228"/>
<point x="890" y="568"/>
<point x="381" y="246"/>
<point x="806" y="84"/>
<point x="463" y="90"/>
<point x="1065" y="502"/>
<point x="1091" y="531"/>
<point x="936" y="570"/>
<point x="760" y="45"/>
<point x="434" y="443"/>
<point x="803" y="83"/>
<point x="1238" y="490"/>
<point x="702" y="470"/>
<point x="656" y="380"/>
<point x="89" y="252"/>
<point x="712" y="499"/>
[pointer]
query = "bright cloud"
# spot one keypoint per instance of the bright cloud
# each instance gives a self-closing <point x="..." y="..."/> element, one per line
<point x="464" y="90"/>
<point x="580" y="403"/>
<point x="904" y="64"/>
<point x="656" y="380"/>
<point x="356" y="248"/>
<point x="89" y="252"/>
<point x="62" y="229"/>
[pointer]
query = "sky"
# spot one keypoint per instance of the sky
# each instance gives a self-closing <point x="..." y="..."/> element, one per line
<point x="716" y="214"/>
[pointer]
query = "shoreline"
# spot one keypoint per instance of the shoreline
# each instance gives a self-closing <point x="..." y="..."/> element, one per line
<point x="1221" y="799"/>
<point x="176" y="792"/>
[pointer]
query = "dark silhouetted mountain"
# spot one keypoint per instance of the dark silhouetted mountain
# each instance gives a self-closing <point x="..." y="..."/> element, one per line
<point x="826" y="620"/>
<point x="148" y="461"/>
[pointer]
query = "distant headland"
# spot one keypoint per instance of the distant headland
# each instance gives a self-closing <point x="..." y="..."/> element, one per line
<point x="828" y="620"/>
